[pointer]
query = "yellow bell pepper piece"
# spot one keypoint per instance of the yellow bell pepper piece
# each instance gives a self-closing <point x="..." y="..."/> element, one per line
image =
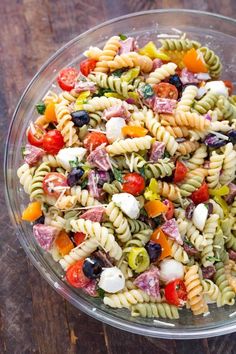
<point x="152" y="52"/>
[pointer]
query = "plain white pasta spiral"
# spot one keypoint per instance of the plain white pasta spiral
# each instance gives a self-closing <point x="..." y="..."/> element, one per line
<point x="197" y="159"/>
<point x="208" y="234"/>
<point x="216" y="163"/>
<point x="187" y="98"/>
<point x="101" y="103"/>
<point x="195" y="237"/>
<point x="25" y="174"/>
<point x="229" y="165"/>
<point x="119" y="221"/>
<point x="127" y="298"/>
<point x="80" y="252"/>
<point x="160" y="133"/>
<point x="161" y="73"/>
<point x="129" y="145"/>
<point x="83" y="196"/>
<point x="65" y="125"/>
<point x="100" y="233"/>
<point x="211" y="292"/>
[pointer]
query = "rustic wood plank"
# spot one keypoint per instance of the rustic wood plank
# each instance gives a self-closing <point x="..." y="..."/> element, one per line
<point x="33" y="317"/>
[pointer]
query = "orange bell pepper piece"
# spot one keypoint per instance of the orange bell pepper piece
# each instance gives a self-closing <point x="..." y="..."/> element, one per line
<point x="194" y="62"/>
<point x="134" y="132"/>
<point x="158" y="236"/>
<point x="32" y="212"/>
<point x="49" y="113"/>
<point x="155" y="208"/>
<point x="64" y="243"/>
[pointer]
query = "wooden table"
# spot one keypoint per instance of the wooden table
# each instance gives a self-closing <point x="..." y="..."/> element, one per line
<point x="33" y="317"/>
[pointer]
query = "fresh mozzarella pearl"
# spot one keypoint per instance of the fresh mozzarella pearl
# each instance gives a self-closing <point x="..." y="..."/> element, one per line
<point x="200" y="214"/>
<point x="70" y="154"/>
<point x="114" y="129"/>
<point x="171" y="270"/>
<point x="128" y="204"/>
<point x="217" y="87"/>
<point x="112" y="280"/>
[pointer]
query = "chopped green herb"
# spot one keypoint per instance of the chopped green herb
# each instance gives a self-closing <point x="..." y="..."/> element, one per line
<point x="143" y="212"/>
<point x="147" y="91"/>
<point x="142" y="171"/>
<point x="40" y="107"/>
<point x="123" y="37"/>
<point x="213" y="259"/>
<point x="159" y="220"/>
<point x="84" y="183"/>
<point x="118" y="72"/>
<point x="74" y="163"/>
<point x="101" y="293"/>
<point x="101" y="91"/>
<point x="166" y="154"/>
<point x="118" y="175"/>
<point x="45" y="207"/>
<point x="188" y="242"/>
<point x="23" y="151"/>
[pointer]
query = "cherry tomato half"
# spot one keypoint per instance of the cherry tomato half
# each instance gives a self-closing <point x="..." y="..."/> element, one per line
<point x="170" y="211"/>
<point x="201" y="195"/>
<point x="67" y="78"/>
<point x="94" y="139"/>
<point x="53" y="141"/>
<point x="87" y="65"/>
<point x="180" y="172"/>
<point x="133" y="183"/>
<point x="35" y="135"/>
<point x="229" y="86"/>
<point x="166" y="90"/>
<point x="52" y="181"/>
<point x="79" y="237"/>
<point x="75" y="275"/>
<point x="175" y="293"/>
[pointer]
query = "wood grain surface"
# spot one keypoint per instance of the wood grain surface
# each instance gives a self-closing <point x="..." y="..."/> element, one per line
<point x="33" y="317"/>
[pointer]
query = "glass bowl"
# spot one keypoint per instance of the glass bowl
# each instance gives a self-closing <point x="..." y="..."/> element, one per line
<point x="218" y="33"/>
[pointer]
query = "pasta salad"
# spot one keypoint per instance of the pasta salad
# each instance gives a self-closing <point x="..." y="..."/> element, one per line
<point x="130" y="170"/>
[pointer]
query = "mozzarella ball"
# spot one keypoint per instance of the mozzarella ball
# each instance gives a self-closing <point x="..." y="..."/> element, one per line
<point x="200" y="215"/>
<point x="217" y="87"/>
<point x="114" y="129"/>
<point x="128" y="204"/>
<point x="70" y="154"/>
<point x="170" y="270"/>
<point x="112" y="280"/>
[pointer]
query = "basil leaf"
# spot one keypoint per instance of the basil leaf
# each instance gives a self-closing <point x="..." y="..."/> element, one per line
<point x="147" y="91"/>
<point x="159" y="220"/>
<point x="101" y="91"/>
<point x="118" y="175"/>
<point x="74" y="163"/>
<point x="188" y="242"/>
<point x="213" y="259"/>
<point x="84" y="183"/>
<point x="40" y="107"/>
<point x="123" y="37"/>
<point x="23" y="151"/>
<point x="143" y="212"/>
<point x="101" y="293"/>
<point x="166" y="154"/>
<point x="118" y="72"/>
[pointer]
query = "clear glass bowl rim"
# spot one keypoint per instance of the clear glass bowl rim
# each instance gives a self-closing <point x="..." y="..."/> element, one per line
<point x="52" y="279"/>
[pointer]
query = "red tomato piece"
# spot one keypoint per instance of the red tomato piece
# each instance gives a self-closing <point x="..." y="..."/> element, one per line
<point x="67" y="78"/>
<point x="170" y="212"/>
<point x="75" y="275"/>
<point x="94" y="139"/>
<point x="180" y="172"/>
<point x="133" y="183"/>
<point x="87" y="65"/>
<point x="53" y="141"/>
<point x="166" y="90"/>
<point x="79" y="237"/>
<point x="201" y="195"/>
<point x="229" y="86"/>
<point x="52" y="181"/>
<point x="175" y="293"/>
<point x="35" y="135"/>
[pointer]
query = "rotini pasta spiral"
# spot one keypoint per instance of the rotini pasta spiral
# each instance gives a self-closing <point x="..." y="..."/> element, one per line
<point x="161" y="169"/>
<point x="178" y="253"/>
<point x="216" y="163"/>
<point x="228" y="271"/>
<point x="168" y="190"/>
<point x="129" y="145"/>
<point x="65" y="125"/>
<point x="227" y="225"/>
<point x="177" y="132"/>
<point x="130" y="60"/>
<point x="66" y="202"/>
<point x="112" y="188"/>
<point x="101" y="103"/>
<point x="95" y="119"/>
<point x="100" y="233"/>
<point x="187" y="99"/>
<point x="138" y="240"/>
<point x="192" y="120"/>
<point x="36" y="189"/>
<point x="194" y="291"/>
<point x="229" y="166"/>
<point x="180" y="44"/>
<point x="137" y="225"/>
<point x="221" y="281"/>
<point x="83" y="196"/>
<point x="206" y="103"/>
<point x="198" y="157"/>
<point x="212" y="61"/>
<point x="127" y="298"/>
<point x="194" y="236"/>
<point x="211" y="292"/>
<point x="161" y="73"/>
<point x="162" y="310"/>
<point x="208" y="234"/>
<point x="80" y="252"/>
<point x="51" y="160"/>
<point x="93" y="53"/>
<point x="109" y="51"/>
<point x="160" y="133"/>
<point x="227" y="109"/>
<point x="187" y="147"/>
<point x="190" y="185"/>
<point x="119" y="221"/>
<point x="25" y="174"/>
<point x="111" y="82"/>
